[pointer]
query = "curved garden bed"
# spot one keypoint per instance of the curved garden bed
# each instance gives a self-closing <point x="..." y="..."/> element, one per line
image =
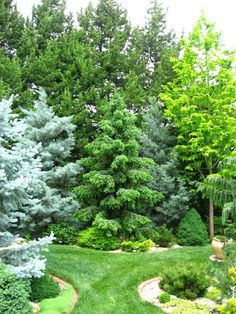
<point x="64" y="303"/>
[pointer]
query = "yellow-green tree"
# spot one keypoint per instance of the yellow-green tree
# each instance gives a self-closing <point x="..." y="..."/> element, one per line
<point x="200" y="102"/>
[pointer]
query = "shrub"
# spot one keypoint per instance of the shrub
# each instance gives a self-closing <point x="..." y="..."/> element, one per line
<point x="14" y="294"/>
<point x="185" y="283"/>
<point x="43" y="288"/>
<point x="165" y="236"/>
<point x="186" y="307"/>
<point x="97" y="239"/>
<point x="164" y="297"/>
<point x="232" y="274"/>
<point x="214" y="294"/>
<point x="191" y="230"/>
<point x="64" y="233"/>
<point x="228" y="308"/>
<point x="137" y="246"/>
<point x="151" y="233"/>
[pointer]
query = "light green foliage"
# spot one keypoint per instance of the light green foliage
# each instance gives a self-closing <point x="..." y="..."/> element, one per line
<point x="200" y="102"/>
<point x="187" y="307"/>
<point x="114" y="193"/>
<point x="14" y="294"/>
<point x="191" y="230"/>
<point x="221" y="188"/>
<point x="214" y="294"/>
<point x="96" y="239"/>
<point x="164" y="297"/>
<point x="60" y="304"/>
<point x="185" y="282"/>
<point x="43" y="288"/>
<point x="137" y="246"/>
<point x="228" y="308"/>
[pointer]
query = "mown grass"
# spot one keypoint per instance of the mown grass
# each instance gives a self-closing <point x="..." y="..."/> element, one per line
<point x="107" y="282"/>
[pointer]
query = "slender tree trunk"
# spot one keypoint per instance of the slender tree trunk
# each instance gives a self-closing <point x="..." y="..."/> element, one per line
<point x="211" y="214"/>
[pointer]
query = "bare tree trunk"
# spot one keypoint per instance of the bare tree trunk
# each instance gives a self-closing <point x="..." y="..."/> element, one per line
<point x="211" y="213"/>
<point x="211" y="217"/>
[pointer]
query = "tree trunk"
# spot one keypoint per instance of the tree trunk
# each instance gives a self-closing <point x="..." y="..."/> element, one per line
<point x="211" y="217"/>
<point x="211" y="214"/>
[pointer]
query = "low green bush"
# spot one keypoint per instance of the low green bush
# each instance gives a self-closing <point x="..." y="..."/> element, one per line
<point x="151" y="233"/>
<point x="14" y="294"/>
<point x="137" y="246"/>
<point x="165" y="236"/>
<point x="97" y="239"/>
<point x="43" y="288"/>
<point x="191" y="230"/>
<point x="187" y="307"/>
<point x="185" y="283"/>
<point x="164" y="297"/>
<point x="64" y="233"/>
<point x="228" y="308"/>
<point x="214" y="294"/>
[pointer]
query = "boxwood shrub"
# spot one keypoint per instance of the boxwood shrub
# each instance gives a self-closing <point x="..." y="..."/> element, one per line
<point x="43" y="288"/>
<point x="14" y="294"/>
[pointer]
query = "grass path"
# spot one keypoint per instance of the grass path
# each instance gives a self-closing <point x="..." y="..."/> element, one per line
<point x="107" y="283"/>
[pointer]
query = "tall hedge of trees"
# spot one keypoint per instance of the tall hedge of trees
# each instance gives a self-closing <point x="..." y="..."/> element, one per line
<point x="81" y="65"/>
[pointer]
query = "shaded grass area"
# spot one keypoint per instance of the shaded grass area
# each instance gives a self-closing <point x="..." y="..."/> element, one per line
<point x="107" y="282"/>
<point x="60" y="304"/>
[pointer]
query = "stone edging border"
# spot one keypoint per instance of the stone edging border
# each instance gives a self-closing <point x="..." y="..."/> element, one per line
<point x="76" y="296"/>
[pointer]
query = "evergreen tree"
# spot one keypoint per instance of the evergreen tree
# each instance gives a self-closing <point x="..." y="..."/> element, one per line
<point x="149" y="53"/>
<point x="64" y="69"/>
<point x="200" y="102"/>
<point x="114" y="193"/>
<point x="159" y="46"/>
<point x="55" y="136"/>
<point x="157" y="142"/>
<point x="50" y="21"/>
<point x="11" y="27"/>
<point x="10" y="75"/>
<point x="106" y="31"/>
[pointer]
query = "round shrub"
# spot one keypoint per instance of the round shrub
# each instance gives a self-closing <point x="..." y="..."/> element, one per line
<point x="185" y="283"/>
<point x="97" y="239"/>
<point x="43" y="288"/>
<point x="64" y="233"/>
<point x="164" y="297"/>
<point x="137" y="246"/>
<point x="228" y="308"/>
<point x="14" y="294"/>
<point x="191" y="230"/>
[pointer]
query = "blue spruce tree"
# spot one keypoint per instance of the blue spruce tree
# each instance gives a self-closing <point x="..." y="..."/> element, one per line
<point x="157" y="142"/>
<point x="54" y="137"/>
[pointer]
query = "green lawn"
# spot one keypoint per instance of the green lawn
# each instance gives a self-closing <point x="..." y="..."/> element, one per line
<point x="107" y="283"/>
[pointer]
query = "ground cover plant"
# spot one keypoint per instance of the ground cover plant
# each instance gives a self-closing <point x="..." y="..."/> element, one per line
<point x="107" y="282"/>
